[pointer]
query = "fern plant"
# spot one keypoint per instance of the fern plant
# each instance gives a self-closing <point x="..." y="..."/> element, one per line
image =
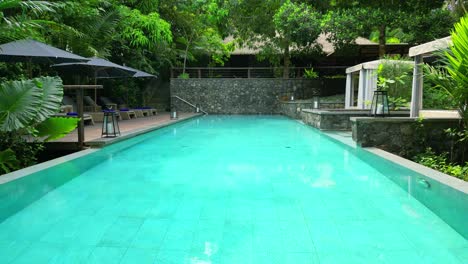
<point x="452" y="76"/>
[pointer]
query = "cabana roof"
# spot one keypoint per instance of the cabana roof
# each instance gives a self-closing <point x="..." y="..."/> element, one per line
<point x="326" y="46"/>
<point x="373" y="65"/>
<point x="429" y="47"/>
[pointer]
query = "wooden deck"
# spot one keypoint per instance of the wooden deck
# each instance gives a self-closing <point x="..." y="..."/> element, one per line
<point x="128" y="128"/>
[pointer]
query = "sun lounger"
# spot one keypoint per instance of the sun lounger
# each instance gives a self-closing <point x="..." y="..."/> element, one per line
<point x="146" y="111"/>
<point x="127" y="114"/>
<point x="108" y="103"/>
<point x="69" y="107"/>
<point x="138" y="112"/>
<point x="90" y="105"/>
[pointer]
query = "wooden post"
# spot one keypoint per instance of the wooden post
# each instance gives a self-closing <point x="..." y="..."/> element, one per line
<point x="248" y="73"/>
<point x="199" y="73"/>
<point x="79" y="99"/>
<point x="417" y="90"/>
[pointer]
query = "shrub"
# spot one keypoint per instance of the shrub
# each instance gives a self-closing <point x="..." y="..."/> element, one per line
<point x="440" y="162"/>
<point x="310" y="74"/>
<point x="184" y="76"/>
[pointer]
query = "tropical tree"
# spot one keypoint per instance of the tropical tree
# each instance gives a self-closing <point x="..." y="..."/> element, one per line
<point x="197" y="26"/>
<point x="277" y="27"/>
<point x="298" y="26"/>
<point x="20" y="19"/>
<point x="351" y="19"/>
<point x="452" y="76"/>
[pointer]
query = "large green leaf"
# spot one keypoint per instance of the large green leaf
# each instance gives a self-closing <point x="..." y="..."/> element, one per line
<point x="56" y="127"/>
<point x="52" y="95"/>
<point x="28" y="102"/>
<point x="8" y="161"/>
<point x="19" y="101"/>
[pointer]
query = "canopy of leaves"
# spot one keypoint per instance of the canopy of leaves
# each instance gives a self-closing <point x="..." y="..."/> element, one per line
<point x="20" y="19"/>
<point x="298" y="23"/>
<point x="415" y="18"/>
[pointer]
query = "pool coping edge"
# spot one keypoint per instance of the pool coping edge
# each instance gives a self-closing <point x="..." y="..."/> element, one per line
<point x="438" y="176"/>
<point x="443" y="178"/>
<point x="5" y="178"/>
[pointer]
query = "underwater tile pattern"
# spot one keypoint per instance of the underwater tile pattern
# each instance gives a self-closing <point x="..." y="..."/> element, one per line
<point x="230" y="189"/>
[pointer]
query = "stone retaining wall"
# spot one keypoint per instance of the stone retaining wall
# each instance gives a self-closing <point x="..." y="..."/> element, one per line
<point x="237" y="96"/>
<point x="293" y="108"/>
<point x="402" y="135"/>
<point x="327" y="119"/>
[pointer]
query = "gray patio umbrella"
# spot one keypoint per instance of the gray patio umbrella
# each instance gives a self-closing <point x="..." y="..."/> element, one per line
<point x="138" y="74"/>
<point x="28" y="50"/>
<point x="94" y="67"/>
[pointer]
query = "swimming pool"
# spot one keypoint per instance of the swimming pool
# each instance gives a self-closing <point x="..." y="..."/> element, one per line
<point x="226" y="189"/>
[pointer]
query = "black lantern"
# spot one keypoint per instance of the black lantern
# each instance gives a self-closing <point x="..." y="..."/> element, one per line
<point x="315" y="102"/>
<point x="110" y="124"/>
<point x="174" y="112"/>
<point x="379" y="106"/>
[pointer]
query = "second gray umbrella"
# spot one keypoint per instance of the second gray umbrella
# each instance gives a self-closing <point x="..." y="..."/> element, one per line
<point x="138" y="74"/>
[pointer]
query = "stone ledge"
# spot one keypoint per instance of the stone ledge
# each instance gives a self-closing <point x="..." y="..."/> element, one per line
<point x="5" y="178"/>
<point x="394" y="119"/>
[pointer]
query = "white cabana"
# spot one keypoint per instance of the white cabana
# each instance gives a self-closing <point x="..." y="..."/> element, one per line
<point x="419" y="52"/>
<point x="361" y="82"/>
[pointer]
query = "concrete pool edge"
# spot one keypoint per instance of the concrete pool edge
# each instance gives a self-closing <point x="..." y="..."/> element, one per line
<point x="18" y="174"/>
<point x="443" y="178"/>
<point x="438" y="176"/>
<point x="5" y="178"/>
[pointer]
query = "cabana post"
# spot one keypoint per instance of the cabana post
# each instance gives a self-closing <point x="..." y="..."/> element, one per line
<point x="418" y="53"/>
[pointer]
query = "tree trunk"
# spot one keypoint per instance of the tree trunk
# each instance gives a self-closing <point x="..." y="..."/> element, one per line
<point x="382" y="41"/>
<point x="185" y="57"/>
<point x="287" y="62"/>
<point x="189" y="42"/>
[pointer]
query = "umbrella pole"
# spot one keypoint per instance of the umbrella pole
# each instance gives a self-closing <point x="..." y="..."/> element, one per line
<point x="95" y="92"/>
<point x="79" y="101"/>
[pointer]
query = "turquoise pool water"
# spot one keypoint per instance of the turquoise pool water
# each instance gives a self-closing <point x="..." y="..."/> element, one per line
<point x="225" y="189"/>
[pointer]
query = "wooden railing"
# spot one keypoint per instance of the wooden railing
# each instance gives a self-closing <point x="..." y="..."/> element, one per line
<point x="246" y="72"/>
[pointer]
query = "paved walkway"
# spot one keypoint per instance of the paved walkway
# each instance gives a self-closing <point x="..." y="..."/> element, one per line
<point x="127" y="127"/>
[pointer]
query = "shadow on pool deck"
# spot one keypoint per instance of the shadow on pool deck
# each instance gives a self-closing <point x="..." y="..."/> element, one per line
<point x="128" y="128"/>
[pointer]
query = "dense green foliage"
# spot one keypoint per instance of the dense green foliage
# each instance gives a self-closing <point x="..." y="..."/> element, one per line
<point x="442" y="163"/>
<point x="417" y="20"/>
<point x="452" y="75"/>
<point x="155" y="35"/>
<point x="450" y="80"/>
